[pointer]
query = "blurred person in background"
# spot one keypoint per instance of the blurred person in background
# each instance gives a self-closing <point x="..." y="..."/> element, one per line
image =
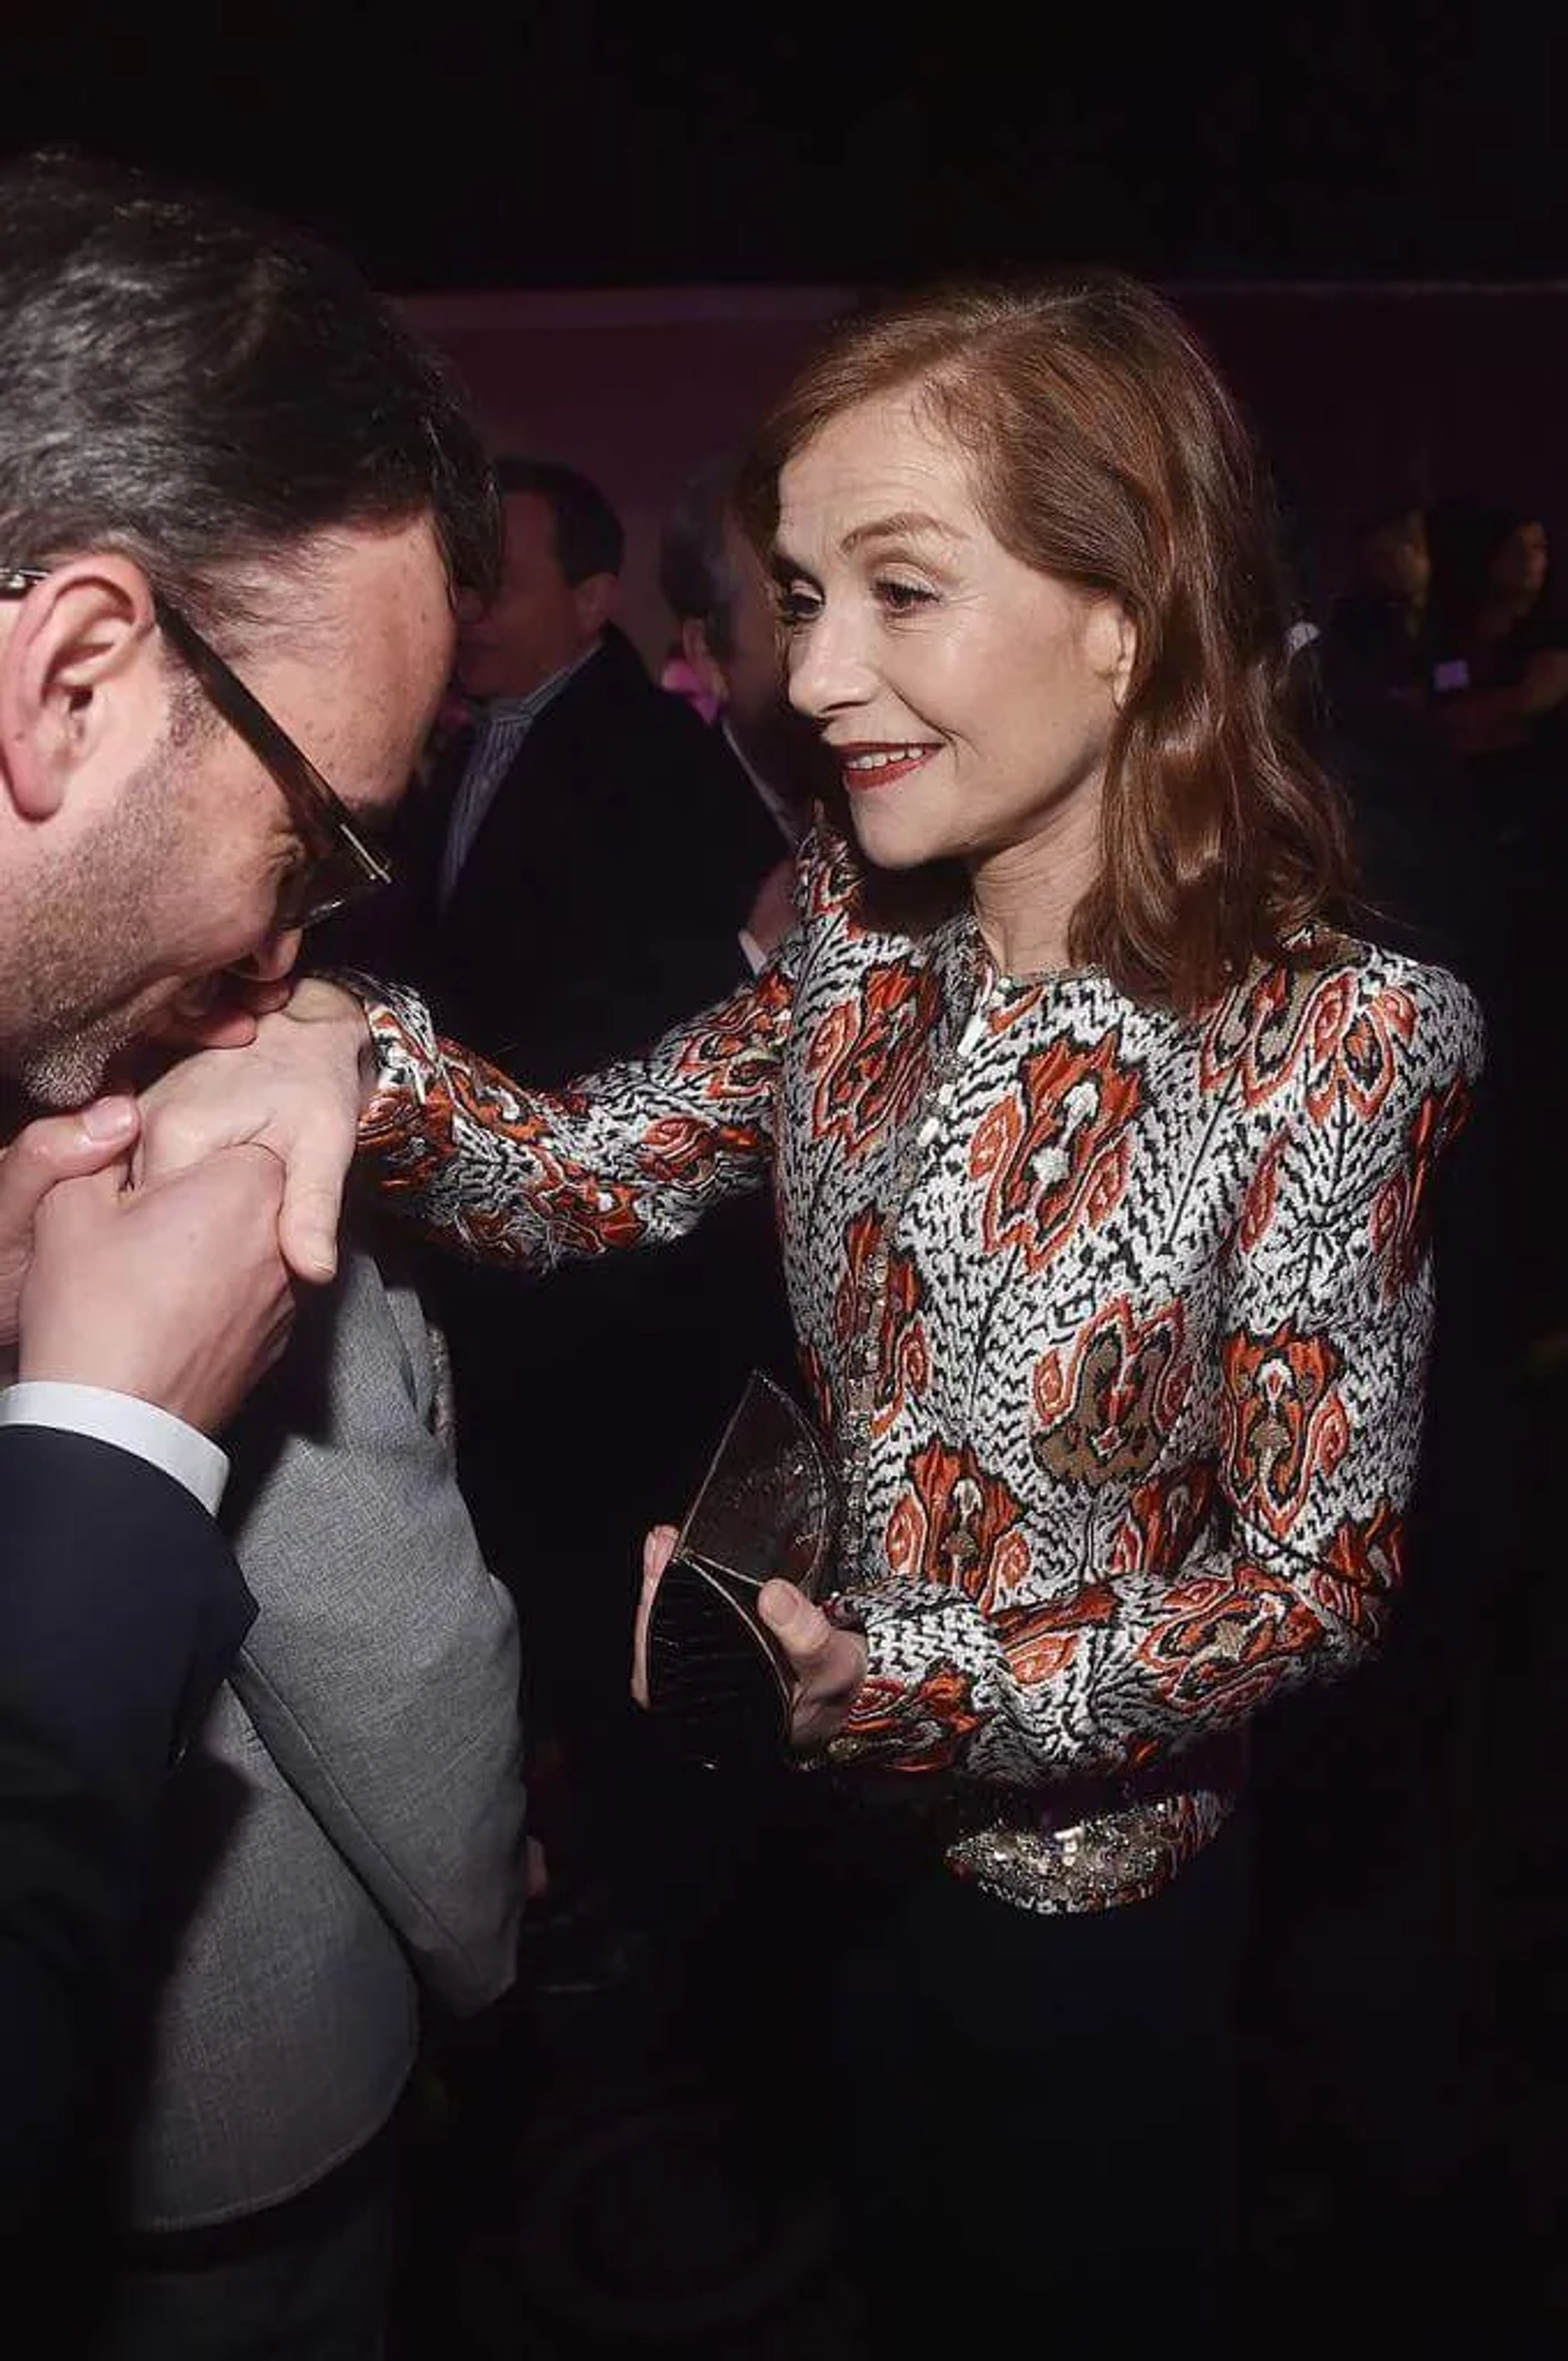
<point x="715" y="586"/>
<point x="1498" y="641"/>
<point x="1380" y="621"/>
<point x="579" y="872"/>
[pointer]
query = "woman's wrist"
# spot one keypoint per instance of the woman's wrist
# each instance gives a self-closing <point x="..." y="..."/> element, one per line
<point x="342" y="999"/>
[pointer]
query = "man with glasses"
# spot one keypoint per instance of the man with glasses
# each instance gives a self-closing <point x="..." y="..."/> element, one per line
<point x="238" y="505"/>
<point x="337" y="867"/>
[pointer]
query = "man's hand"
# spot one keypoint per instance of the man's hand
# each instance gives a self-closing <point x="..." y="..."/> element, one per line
<point x="829" y="1662"/>
<point x="176" y="1293"/>
<point x="296" y="1090"/>
<point x="58" y="1148"/>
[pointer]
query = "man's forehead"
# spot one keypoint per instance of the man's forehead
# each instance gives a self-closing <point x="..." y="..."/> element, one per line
<point x="381" y="653"/>
<point x="359" y="578"/>
<point x="530" y="522"/>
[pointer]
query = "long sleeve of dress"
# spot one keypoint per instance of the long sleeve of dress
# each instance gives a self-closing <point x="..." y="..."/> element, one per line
<point x="1118" y="1322"/>
<point x="634" y="1156"/>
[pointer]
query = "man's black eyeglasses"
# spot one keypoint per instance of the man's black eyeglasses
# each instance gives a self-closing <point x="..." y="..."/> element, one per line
<point x="342" y="868"/>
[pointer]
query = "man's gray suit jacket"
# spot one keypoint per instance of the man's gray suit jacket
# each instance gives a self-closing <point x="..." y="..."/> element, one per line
<point x="348" y="1826"/>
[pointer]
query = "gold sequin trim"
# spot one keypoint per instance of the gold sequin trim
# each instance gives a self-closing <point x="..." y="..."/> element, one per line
<point x="1095" y="1864"/>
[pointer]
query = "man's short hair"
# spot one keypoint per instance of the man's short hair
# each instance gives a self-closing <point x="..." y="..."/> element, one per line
<point x="697" y="573"/>
<point x="589" y="536"/>
<point x="207" y="390"/>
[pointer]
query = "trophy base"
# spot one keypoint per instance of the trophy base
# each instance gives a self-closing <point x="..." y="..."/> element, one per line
<point x="719" y="1685"/>
<point x="716" y="1687"/>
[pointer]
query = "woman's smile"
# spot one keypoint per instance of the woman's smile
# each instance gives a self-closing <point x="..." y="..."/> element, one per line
<point x="867" y="764"/>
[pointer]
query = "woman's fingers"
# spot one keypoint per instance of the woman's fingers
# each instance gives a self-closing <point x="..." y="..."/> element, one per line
<point x="657" y="1550"/>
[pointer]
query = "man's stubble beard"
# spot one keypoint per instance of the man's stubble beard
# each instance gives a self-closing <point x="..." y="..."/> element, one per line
<point x="83" y="937"/>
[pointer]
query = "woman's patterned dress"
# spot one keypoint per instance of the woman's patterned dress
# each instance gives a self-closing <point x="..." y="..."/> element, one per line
<point x="1116" y="1320"/>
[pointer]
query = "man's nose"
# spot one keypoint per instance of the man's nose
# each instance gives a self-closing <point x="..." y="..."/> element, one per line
<point x="273" y="958"/>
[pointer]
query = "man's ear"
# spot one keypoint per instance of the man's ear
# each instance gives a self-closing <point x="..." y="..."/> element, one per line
<point x="698" y="653"/>
<point x="597" y="597"/>
<point x="81" y="678"/>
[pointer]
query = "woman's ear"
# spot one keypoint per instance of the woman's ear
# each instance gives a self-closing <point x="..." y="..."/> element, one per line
<point x="79" y="675"/>
<point x="1111" y="645"/>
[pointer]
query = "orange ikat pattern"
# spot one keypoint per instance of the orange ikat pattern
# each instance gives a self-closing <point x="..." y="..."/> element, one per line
<point x="1117" y="1322"/>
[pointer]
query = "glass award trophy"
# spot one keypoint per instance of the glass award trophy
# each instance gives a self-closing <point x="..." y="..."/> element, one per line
<point x="718" y="1682"/>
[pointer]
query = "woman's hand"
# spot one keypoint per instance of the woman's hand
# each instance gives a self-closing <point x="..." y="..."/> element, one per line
<point x="297" y="1088"/>
<point x="829" y="1662"/>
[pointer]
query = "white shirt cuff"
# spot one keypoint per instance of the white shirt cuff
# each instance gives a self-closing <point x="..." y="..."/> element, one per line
<point x="140" y="1427"/>
<point x="752" y="950"/>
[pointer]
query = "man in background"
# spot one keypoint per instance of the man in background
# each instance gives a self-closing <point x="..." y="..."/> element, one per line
<point x="579" y="875"/>
<point x="723" y="604"/>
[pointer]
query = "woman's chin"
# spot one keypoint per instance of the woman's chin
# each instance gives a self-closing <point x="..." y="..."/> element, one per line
<point x="890" y="845"/>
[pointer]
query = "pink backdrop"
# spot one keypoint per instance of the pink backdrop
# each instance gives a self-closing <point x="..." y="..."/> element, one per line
<point x="1355" y="388"/>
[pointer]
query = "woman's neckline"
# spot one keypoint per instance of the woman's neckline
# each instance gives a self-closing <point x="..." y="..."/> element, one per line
<point x="995" y="977"/>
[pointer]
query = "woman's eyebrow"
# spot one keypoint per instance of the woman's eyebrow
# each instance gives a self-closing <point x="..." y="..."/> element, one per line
<point x="905" y="524"/>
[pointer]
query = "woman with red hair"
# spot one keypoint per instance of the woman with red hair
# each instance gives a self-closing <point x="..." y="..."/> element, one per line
<point x="1102" y="1147"/>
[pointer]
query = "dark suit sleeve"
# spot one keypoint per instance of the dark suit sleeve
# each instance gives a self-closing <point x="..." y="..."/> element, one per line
<point x="120" y="1608"/>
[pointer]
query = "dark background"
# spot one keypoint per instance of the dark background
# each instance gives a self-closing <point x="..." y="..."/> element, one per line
<point x="1365" y="210"/>
<point x="1362" y="208"/>
<point x="594" y="144"/>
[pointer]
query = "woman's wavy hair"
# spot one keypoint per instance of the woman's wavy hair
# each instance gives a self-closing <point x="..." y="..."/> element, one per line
<point x="1106" y="451"/>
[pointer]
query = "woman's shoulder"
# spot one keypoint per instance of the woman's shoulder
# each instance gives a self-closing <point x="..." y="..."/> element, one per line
<point x="1338" y="1011"/>
<point x="1442" y="1003"/>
